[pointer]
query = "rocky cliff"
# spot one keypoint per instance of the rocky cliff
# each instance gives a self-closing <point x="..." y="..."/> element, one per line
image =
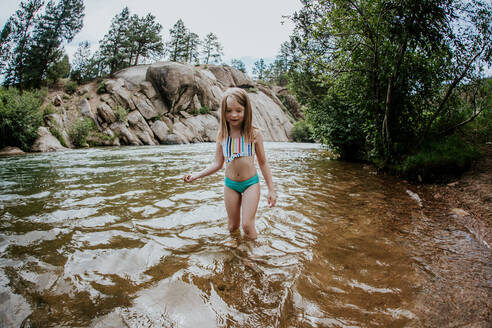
<point x="162" y="103"/>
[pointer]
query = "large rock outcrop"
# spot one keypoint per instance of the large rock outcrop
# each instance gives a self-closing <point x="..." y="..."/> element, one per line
<point x="166" y="103"/>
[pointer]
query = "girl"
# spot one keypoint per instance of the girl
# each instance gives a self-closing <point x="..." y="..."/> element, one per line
<point x="237" y="143"/>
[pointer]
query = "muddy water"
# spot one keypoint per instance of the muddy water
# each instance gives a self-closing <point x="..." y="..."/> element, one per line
<point x="113" y="238"/>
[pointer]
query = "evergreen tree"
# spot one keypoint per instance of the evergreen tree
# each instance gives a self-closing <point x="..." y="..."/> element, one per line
<point x="15" y="42"/>
<point x="84" y="66"/>
<point x="114" y="46"/>
<point x="259" y="69"/>
<point x="212" y="49"/>
<point x="236" y="63"/>
<point x="178" y="44"/>
<point x="192" y="44"/>
<point x="59" y="23"/>
<point x="60" y="69"/>
<point x="144" y="38"/>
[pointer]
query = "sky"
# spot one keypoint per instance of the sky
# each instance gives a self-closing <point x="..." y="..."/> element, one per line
<point x="248" y="30"/>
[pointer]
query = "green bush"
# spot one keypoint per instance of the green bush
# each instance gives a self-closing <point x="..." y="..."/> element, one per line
<point x="302" y="132"/>
<point x="70" y="87"/>
<point x="120" y="113"/>
<point x="202" y="110"/>
<point x="79" y="131"/>
<point x="102" y="87"/>
<point x="55" y="131"/>
<point x="48" y="110"/>
<point x="439" y="160"/>
<point x="20" y="117"/>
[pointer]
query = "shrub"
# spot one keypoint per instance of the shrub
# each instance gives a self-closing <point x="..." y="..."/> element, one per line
<point x="20" y="117"/>
<point x="439" y="160"/>
<point x="302" y="132"/>
<point x="79" y="131"/>
<point x="101" y="88"/>
<point x="121" y="113"/>
<point x="57" y="133"/>
<point x="48" y="110"/>
<point x="202" y="110"/>
<point x="71" y="87"/>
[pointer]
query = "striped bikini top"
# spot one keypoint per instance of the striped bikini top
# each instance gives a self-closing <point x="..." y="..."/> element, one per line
<point x="236" y="147"/>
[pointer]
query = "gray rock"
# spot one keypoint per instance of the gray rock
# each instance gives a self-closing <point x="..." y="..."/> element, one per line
<point x="127" y="137"/>
<point x="106" y="113"/>
<point x="160" y="130"/>
<point x="160" y="106"/>
<point x="46" y="142"/>
<point x="7" y="151"/>
<point x="204" y="127"/>
<point x="119" y="93"/>
<point x="172" y="139"/>
<point x="85" y="108"/>
<point x="141" y="129"/>
<point x="268" y="116"/>
<point x="148" y="89"/>
<point x="58" y="101"/>
<point x="144" y="106"/>
<point x="185" y="114"/>
<point x="133" y="76"/>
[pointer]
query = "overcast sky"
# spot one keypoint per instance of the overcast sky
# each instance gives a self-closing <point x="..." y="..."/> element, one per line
<point x="251" y="28"/>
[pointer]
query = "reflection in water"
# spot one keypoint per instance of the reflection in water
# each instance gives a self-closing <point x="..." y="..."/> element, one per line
<point x="112" y="237"/>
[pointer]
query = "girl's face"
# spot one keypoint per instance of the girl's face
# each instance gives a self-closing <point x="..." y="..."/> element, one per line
<point x="234" y="113"/>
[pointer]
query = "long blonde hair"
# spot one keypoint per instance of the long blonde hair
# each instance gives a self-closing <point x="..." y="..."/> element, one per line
<point x="242" y="98"/>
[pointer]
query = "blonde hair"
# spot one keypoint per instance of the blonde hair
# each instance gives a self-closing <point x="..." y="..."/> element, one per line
<point x="242" y="98"/>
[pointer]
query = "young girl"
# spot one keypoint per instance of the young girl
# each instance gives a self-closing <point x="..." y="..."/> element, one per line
<point x="237" y="144"/>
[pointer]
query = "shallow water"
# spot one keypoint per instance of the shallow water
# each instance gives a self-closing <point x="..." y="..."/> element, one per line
<point x="112" y="237"/>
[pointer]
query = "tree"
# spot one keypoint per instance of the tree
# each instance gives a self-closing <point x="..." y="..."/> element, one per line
<point x="178" y="44"/>
<point x="239" y="64"/>
<point x="57" y="70"/>
<point x="212" y="49"/>
<point x="259" y="69"/>
<point x="192" y="44"/>
<point x="144" y="38"/>
<point x="378" y="75"/>
<point x="59" y="23"/>
<point x="15" y="42"/>
<point x="84" y="65"/>
<point x="113" y="47"/>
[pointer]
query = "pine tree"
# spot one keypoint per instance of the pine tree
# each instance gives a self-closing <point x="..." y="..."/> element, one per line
<point x="59" y="23"/>
<point x="144" y="38"/>
<point x="259" y="69"/>
<point x="212" y="49"/>
<point x="15" y="42"/>
<point x="114" y="46"/>
<point x="192" y="44"/>
<point x="236" y="63"/>
<point x="178" y="43"/>
<point x="84" y="66"/>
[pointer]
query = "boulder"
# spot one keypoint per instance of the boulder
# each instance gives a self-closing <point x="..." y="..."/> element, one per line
<point x="148" y="89"/>
<point x="223" y="75"/>
<point x="7" y="151"/>
<point x="144" y="106"/>
<point x="183" y="132"/>
<point x="57" y="101"/>
<point x="175" y="82"/>
<point x="126" y="137"/>
<point x="160" y="130"/>
<point x="120" y="93"/>
<point x="85" y="108"/>
<point x="46" y="142"/>
<point x="205" y="127"/>
<point x="133" y="76"/>
<point x="269" y="117"/>
<point x="141" y="129"/>
<point x="172" y="139"/>
<point x="106" y="113"/>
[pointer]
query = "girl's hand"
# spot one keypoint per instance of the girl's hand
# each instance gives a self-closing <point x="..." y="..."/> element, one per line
<point x="188" y="178"/>
<point x="272" y="198"/>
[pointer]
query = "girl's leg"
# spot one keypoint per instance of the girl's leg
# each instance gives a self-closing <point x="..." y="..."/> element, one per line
<point x="232" y="201"/>
<point x="250" y="199"/>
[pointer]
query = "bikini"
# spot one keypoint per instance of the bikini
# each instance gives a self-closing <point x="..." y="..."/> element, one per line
<point x="233" y="148"/>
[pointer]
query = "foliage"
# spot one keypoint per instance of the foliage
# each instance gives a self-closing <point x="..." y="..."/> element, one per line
<point x="212" y="49"/>
<point x="113" y="46"/>
<point x="121" y="113"/>
<point x="70" y="87"/>
<point x="79" y="131"/>
<point x="85" y="67"/>
<point x="19" y="117"/>
<point x="55" y="131"/>
<point x="144" y="38"/>
<point x="381" y="76"/>
<point x="439" y="160"/>
<point x="259" y="69"/>
<point x="177" y="44"/>
<point x="48" y="110"/>
<point x="236" y="63"/>
<point x="302" y="132"/>
<point x="57" y="70"/>
<point x="101" y="88"/>
<point x="202" y="110"/>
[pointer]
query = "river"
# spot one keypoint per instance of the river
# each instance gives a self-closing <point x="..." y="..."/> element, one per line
<point x="112" y="237"/>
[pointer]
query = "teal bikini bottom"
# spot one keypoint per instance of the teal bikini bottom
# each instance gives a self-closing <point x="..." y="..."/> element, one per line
<point x="241" y="186"/>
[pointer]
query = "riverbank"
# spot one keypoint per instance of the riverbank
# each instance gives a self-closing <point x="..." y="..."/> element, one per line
<point x="469" y="198"/>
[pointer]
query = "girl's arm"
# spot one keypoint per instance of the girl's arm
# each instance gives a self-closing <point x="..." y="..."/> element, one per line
<point x="214" y="167"/>
<point x="265" y="169"/>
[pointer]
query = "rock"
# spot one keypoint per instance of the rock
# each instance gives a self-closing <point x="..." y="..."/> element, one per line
<point x="144" y="106"/>
<point x="182" y="131"/>
<point x="460" y="212"/>
<point x="119" y="93"/>
<point x="205" y="126"/>
<point x="160" y="130"/>
<point x="452" y="184"/>
<point x="185" y="114"/>
<point x="57" y="101"/>
<point x="46" y="142"/>
<point x="160" y="106"/>
<point x="133" y="76"/>
<point x="54" y="120"/>
<point x="148" y="90"/>
<point x="222" y="74"/>
<point x="168" y="122"/>
<point x="127" y="137"/>
<point x="141" y="129"/>
<point x="240" y="79"/>
<point x="85" y="108"/>
<point x="106" y="113"/>
<point x="7" y="151"/>
<point x="175" y="82"/>
<point x="270" y="118"/>
<point x="172" y="139"/>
